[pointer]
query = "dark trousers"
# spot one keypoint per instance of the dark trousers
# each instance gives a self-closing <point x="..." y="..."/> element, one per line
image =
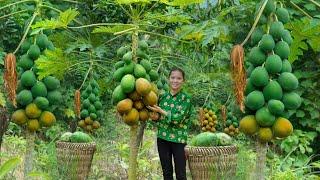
<point x="168" y="149"/>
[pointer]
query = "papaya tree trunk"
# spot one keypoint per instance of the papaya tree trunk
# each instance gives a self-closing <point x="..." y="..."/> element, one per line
<point x="261" y="160"/>
<point x="4" y="122"/>
<point x="136" y="142"/>
<point x="134" y="146"/>
<point x="134" y="46"/>
<point x="140" y="134"/>
<point x="73" y="125"/>
<point x="28" y="161"/>
<point x="132" y="175"/>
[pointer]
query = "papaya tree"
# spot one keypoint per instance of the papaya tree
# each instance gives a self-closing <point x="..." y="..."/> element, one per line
<point x="33" y="97"/>
<point x="304" y="56"/>
<point x="135" y="64"/>
<point x="268" y="89"/>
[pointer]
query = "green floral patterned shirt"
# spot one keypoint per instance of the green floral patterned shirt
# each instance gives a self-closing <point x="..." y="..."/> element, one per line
<point x="174" y="127"/>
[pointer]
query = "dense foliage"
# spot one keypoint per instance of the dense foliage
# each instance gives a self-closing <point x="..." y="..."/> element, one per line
<point x="197" y="37"/>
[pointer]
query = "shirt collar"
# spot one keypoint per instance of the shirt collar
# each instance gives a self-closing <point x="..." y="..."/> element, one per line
<point x="175" y="94"/>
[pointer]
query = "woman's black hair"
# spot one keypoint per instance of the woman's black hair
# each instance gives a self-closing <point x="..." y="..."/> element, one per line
<point x="177" y="69"/>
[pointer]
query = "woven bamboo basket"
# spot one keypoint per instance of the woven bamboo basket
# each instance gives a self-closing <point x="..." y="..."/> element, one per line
<point x="218" y="162"/>
<point x="74" y="159"/>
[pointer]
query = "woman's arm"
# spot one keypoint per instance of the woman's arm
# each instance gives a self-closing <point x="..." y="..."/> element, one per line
<point x="157" y="109"/>
<point x="175" y="118"/>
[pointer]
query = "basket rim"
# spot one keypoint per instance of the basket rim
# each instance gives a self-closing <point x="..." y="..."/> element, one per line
<point x="64" y="142"/>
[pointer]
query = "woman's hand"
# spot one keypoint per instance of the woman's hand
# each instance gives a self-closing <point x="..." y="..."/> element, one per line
<point x="154" y="108"/>
<point x="157" y="109"/>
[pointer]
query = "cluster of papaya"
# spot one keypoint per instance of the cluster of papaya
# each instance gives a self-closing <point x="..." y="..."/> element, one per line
<point x="162" y="83"/>
<point x="91" y="107"/>
<point x="208" y="120"/>
<point x="271" y="85"/>
<point x="135" y="91"/>
<point x="231" y="125"/>
<point x="141" y="69"/>
<point x="35" y="98"/>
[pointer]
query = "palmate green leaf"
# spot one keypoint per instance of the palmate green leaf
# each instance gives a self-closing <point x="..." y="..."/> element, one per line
<point x="112" y="29"/>
<point x="54" y="63"/>
<point x="304" y="32"/>
<point x="216" y="32"/>
<point x="313" y="33"/>
<point x="190" y="31"/>
<point x="67" y="16"/>
<point x="207" y="32"/>
<point x="296" y="49"/>
<point x="181" y="2"/>
<point x="314" y="43"/>
<point x="169" y="18"/>
<point x="62" y="22"/>
<point x="127" y="2"/>
<point x="69" y="113"/>
<point x="48" y="24"/>
<point x="81" y="45"/>
<point x="298" y="44"/>
<point x="9" y="165"/>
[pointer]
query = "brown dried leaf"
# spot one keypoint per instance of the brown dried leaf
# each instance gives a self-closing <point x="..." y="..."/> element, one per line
<point x="10" y="77"/>
<point x="238" y="74"/>
<point x="77" y="103"/>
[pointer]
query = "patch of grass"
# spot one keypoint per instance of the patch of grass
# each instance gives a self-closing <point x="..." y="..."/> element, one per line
<point x="245" y="162"/>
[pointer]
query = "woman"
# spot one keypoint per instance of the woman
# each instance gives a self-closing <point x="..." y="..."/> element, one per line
<point x="174" y="108"/>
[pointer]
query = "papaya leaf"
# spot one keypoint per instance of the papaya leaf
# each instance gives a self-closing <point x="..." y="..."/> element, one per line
<point x="67" y="16"/>
<point x="296" y="48"/>
<point x="113" y="29"/>
<point x="69" y="113"/>
<point x="305" y="34"/>
<point x="169" y="18"/>
<point x="81" y="45"/>
<point x="127" y="2"/>
<point x="54" y="63"/>
<point x="181" y="2"/>
<point x="35" y="31"/>
<point x="9" y="165"/>
<point x="217" y="32"/>
<point x="61" y="22"/>
<point x="47" y="24"/>
<point x="310" y="7"/>
<point x="208" y="32"/>
<point x="314" y="43"/>
<point x="2" y="100"/>
<point x="186" y="30"/>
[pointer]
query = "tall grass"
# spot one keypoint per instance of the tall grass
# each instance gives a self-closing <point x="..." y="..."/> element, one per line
<point x="245" y="162"/>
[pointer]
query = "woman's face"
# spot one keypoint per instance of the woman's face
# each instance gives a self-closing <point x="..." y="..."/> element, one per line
<point x="176" y="80"/>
